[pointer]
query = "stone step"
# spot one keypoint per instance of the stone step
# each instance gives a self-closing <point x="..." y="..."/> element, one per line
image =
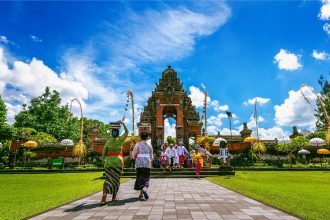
<point x="182" y="174"/>
<point x="184" y="169"/>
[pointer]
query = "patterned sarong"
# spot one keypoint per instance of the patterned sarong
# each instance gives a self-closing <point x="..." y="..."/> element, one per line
<point x="142" y="178"/>
<point x="112" y="179"/>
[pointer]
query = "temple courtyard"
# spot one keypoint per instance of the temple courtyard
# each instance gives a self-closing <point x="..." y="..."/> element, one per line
<point x="169" y="199"/>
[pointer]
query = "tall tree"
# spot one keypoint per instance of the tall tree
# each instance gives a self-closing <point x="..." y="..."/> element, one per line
<point x="171" y="140"/>
<point x="7" y="132"/>
<point x="45" y="114"/>
<point x="321" y="122"/>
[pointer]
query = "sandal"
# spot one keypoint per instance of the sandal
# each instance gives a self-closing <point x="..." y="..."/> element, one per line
<point x="103" y="203"/>
<point x="115" y="200"/>
<point x="140" y="196"/>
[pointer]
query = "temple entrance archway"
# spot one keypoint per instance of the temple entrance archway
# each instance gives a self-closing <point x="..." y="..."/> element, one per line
<point x="170" y="100"/>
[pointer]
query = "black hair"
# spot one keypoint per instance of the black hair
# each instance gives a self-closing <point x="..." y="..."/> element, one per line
<point x="144" y="136"/>
<point x="115" y="132"/>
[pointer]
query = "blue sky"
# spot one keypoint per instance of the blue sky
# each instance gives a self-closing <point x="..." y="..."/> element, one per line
<point x="237" y="50"/>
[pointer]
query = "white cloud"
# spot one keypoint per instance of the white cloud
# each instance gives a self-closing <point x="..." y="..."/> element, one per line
<point x="326" y="28"/>
<point x="295" y="111"/>
<point x="217" y="107"/>
<point x="197" y="96"/>
<point x="287" y="61"/>
<point x="226" y="131"/>
<point x="31" y="78"/>
<point x="164" y="35"/>
<point x="216" y="120"/>
<point x="169" y="129"/>
<point x="261" y="101"/>
<point x="320" y="55"/>
<point x="12" y="110"/>
<point x="212" y="130"/>
<point x="324" y="13"/>
<point x="271" y="133"/>
<point x="4" y="39"/>
<point x="252" y="122"/>
<point x="35" y="38"/>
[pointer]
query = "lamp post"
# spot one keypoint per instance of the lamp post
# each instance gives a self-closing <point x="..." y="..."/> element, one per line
<point x="230" y="116"/>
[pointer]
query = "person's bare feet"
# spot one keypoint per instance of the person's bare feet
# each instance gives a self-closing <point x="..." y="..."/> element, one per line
<point x="104" y="199"/>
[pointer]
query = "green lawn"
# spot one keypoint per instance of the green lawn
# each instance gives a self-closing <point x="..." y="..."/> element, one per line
<point x="22" y="195"/>
<point x="305" y="194"/>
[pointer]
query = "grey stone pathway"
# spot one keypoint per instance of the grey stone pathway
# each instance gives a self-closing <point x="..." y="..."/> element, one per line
<point x="169" y="199"/>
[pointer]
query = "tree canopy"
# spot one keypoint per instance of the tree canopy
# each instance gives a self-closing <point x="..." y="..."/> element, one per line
<point x="45" y="114"/>
<point x="7" y="132"/>
<point x="322" y="123"/>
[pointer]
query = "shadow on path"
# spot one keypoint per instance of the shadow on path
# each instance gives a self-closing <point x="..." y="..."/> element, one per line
<point x="95" y="205"/>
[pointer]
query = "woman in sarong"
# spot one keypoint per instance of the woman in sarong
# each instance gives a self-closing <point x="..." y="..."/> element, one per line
<point x="144" y="155"/>
<point x="112" y="158"/>
<point x="198" y="160"/>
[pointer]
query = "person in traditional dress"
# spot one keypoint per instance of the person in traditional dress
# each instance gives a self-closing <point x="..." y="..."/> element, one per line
<point x="112" y="158"/>
<point x="144" y="155"/>
<point x="163" y="160"/>
<point x="181" y="153"/>
<point x="171" y="156"/>
<point x="198" y="160"/>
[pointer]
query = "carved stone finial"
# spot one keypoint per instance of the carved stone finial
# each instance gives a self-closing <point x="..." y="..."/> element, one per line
<point x="169" y="67"/>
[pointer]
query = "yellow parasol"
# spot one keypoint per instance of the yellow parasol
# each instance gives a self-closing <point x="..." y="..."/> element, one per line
<point x="250" y="140"/>
<point x="30" y="144"/>
<point x="323" y="151"/>
<point x="131" y="141"/>
<point x="205" y="140"/>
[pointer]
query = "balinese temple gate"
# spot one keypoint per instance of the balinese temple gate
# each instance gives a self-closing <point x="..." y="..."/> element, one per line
<point x="169" y="99"/>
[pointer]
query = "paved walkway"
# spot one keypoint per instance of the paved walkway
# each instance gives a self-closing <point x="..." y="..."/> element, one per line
<point x="169" y="199"/>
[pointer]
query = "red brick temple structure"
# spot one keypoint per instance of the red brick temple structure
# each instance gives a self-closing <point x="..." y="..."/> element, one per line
<point x="170" y="100"/>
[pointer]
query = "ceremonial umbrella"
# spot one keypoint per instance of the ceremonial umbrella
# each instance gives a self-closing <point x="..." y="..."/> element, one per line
<point x="250" y="139"/>
<point x="218" y="141"/>
<point x="323" y="151"/>
<point x="67" y="142"/>
<point x="131" y="141"/>
<point x="30" y="144"/>
<point x="303" y="152"/>
<point x="205" y="140"/>
<point x="315" y="142"/>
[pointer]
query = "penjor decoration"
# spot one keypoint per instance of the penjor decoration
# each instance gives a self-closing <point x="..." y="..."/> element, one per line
<point x="132" y="140"/>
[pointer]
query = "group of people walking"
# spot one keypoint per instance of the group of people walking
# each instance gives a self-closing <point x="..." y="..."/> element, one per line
<point x="142" y="154"/>
<point x="173" y="156"/>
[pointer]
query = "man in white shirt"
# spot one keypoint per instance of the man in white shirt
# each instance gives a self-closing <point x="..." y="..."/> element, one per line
<point x="181" y="151"/>
<point x="171" y="154"/>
